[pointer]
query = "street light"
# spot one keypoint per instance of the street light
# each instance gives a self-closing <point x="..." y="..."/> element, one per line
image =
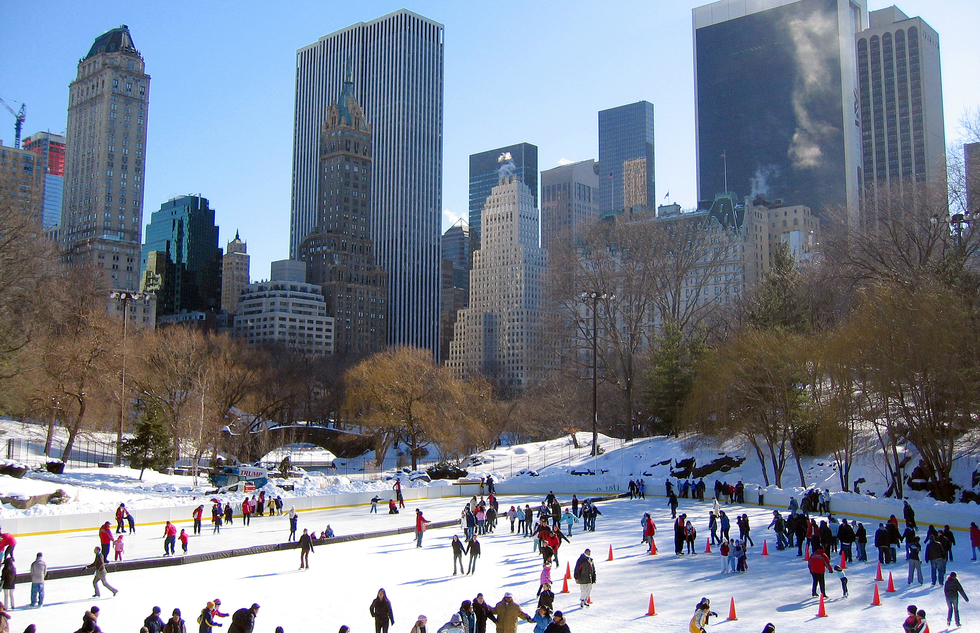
<point x="124" y="296"/>
<point x="594" y="297"/>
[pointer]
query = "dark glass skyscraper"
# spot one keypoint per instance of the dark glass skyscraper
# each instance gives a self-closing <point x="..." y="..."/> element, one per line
<point x="626" y="157"/>
<point x="776" y="100"/>
<point x="484" y="175"/>
<point x="397" y="61"/>
<point x="181" y="260"/>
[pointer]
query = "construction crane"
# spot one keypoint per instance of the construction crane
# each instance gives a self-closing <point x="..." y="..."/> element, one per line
<point x="19" y="125"/>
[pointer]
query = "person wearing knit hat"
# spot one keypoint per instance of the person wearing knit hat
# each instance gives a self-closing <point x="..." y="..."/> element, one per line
<point x="419" y="626"/>
<point x="175" y="624"/>
<point x="206" y="619"/>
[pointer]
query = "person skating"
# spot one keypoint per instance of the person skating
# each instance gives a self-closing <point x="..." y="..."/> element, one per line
<point x="483" y="612"/>
<point x="909" y="515"/>
<point x="380" y="610"/>
<point x="690" y="534"/>
<point x="547" y="597"/>
<point x="819" y="565"/>
<point x="455" y="625"/>
<point x="183" y="538"/>
<point x="196" y="515"/>
<point x="293" y="524"/>
<point x="90" y="620"/>
<point x="244" y="619"/>
<point x="216" y="517"/>
<point x="507" y="612"/>
<point x="541" y="619"/>
<point x="679" y="525"/>
<point x="105" y="539"/>
<point x="419" y="626"/>
<point x="936" y="557"/>
<point x="458" y="550"/>
<point x="9" y="578"/>
<point x="420" y="522"/>
<point x="118" y="547"/>
<point x="843" y="578"/>
<point x="953" y="590"/>
<point x="558" y="624"/>
<point x="915" y="558"/>
<point x="100" y="574"/>
<point x="911" y="622"/>
<point x="585" y="576"/>
<point x="39" y="570"/>
<point x="206" y="620"/>
<point x="153" y="622"/>
<point x="474" y="550"/>
<point x="374" y="504"/>
<point x="672" y="504"/>
<point x="398" y="493"/>
<point x="169" y="538"/>
<point x="699" y="622"/>
<point x="175" y="624"/>
<point x="467" y="616"/>
<point x="305" y="547"/>
<point x="121" y="519"/>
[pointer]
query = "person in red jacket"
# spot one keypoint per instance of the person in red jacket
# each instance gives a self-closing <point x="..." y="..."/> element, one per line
<point x="819" y="565"/>
<point x="246" y="511"/>
<point x="420" y="522"/>
<point x="197" y="514"/>
<point x="105" y="538"/>
<point x="169" y="539"/>
<point x="7" y="543"/>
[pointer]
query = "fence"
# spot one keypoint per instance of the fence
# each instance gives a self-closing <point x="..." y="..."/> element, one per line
<point x="84" y="452"/>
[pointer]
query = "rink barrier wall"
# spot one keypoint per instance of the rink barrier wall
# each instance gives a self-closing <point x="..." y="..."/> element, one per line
<point x="56" y="573"/>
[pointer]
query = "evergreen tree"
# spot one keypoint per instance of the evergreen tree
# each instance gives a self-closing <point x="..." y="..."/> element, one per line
<point x="151" y="445"/>
<point x="673" y="364"/>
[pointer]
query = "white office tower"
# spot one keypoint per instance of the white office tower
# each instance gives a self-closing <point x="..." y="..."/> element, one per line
<point x="396" y="62"/>
<point x="499" y="334"/>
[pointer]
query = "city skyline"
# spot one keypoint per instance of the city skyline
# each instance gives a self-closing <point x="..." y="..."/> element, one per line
<point x="243" y="131"/>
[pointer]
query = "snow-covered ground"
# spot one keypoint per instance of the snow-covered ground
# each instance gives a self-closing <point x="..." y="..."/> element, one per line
<point x="344" y="577"/>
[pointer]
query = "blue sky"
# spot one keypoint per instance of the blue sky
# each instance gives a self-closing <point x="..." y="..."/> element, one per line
<point x="221" y="97"/>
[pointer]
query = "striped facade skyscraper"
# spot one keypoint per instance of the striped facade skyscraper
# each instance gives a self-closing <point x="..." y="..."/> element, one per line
<point x="397" y="66"/>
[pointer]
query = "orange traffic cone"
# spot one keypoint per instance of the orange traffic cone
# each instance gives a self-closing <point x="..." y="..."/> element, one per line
<point x="707" y="546"/>
<point x="876" y="602"/>
<point x="610" y="553"/>
<point x="765" y="548"/>
<point x="806" y="552"/>
<point x="564" y="587"/>
<point x="878" y="577"/>
<point x="651" y="610"/>
<point x="843" y="560"/>
<point x="731" y="610"/>
<point x="821" y="612"/>
<point x="588" y="600"/>
<point x="568" y="571"/>
<point x="653" y="546"/>
<point x="891" y="585"/>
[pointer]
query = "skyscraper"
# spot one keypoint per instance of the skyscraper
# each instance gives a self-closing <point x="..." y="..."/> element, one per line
<point x="22" y="184"/>
<point x="102" y="212"/>
<point x="234" y="273"/>
<point x="776" y="100"/>
<point x="484" y="168"/>
<point x="52" y="147"/>
<point x="971" y="168"/>
<point x="398" y="63"/>
<point x="339" y="252"/>
<point x="626" y="157"/>
<point x="569" y="201"/>
<point x="901" y="101"/>
<point x="181" y="261"/>
<point x="455" y="293"/>
<point x="499" y="334"/>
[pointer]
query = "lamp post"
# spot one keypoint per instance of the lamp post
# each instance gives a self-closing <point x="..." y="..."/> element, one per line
<point x="125" y="297"/>
<point x="594" y="297"/>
